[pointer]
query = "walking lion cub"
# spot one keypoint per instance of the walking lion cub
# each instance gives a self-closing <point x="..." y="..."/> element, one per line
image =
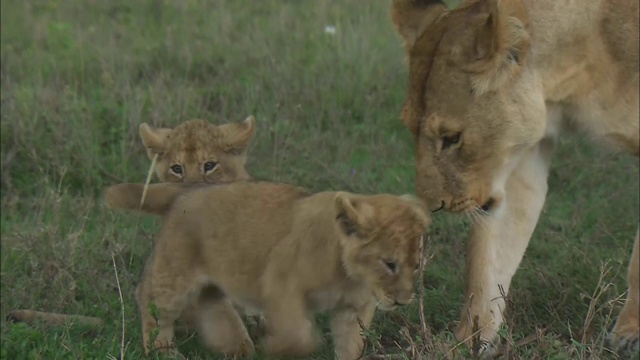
<point x="278" y="250"/>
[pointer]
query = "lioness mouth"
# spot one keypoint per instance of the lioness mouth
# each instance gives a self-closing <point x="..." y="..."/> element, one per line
<point x="488" y="205"/>
<point x="440" y="208"/>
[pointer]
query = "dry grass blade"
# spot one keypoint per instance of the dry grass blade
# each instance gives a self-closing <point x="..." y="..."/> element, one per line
<point x="425" y="332"/>
<point x="115" y="270"/>
<point x="148" y="180"/>
<point x="601" y="288"/>
<point x="522" y="342"/>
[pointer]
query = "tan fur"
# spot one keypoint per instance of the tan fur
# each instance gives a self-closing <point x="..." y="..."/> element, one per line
<point x="492" y="85"/>
<point x="193" y="144"/>
<point x="277" y="250"/>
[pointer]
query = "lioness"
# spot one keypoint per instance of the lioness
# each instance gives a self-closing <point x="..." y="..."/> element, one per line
<point x="278" y="250"/>
<point x="491" y="85"/>
<point x="198" y="151"/>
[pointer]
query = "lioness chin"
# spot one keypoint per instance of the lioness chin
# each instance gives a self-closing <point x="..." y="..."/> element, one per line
<point x="278" y="250"/>
<point x="492" y="85"/>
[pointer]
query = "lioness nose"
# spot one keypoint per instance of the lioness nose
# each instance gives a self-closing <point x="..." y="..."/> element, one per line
<point x="439" y="207"/>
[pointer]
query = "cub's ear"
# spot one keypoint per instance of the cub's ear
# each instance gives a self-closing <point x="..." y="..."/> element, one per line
<point x="238" y="135"/>
<point x="353" y="215"/>
<point x="154" y="139"/>
<point x="419" y="208"/>
<point x="501" y="45"/>
<point x="412" y="17"/>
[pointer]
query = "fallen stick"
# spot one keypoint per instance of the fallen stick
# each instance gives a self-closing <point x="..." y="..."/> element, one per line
<point x="53" y="319"/>
<point x="522" y="342"/>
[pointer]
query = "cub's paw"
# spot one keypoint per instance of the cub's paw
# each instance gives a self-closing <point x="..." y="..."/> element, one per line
<point x="624" y="341"/>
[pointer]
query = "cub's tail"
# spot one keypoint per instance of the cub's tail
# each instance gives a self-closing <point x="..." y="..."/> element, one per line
<point x="157" y="199"/>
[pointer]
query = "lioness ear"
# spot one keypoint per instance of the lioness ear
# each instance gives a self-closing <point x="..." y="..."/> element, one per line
<point x="238" y="135"/>
<point x="412" y="17"/>
<point x="501" y="45"/>
<point x="154" y="139"/>
<point x="353" y="215"/>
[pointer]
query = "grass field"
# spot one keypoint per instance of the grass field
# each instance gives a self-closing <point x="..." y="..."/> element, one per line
<point x="78" y="77"/>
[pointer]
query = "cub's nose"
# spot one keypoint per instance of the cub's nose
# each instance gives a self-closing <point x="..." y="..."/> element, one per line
<point x="403" y="300"/>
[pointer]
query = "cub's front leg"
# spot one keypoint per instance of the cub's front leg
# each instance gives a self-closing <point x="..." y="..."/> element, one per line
<point x="346" y="330"/>
<point x="290" y="329"/>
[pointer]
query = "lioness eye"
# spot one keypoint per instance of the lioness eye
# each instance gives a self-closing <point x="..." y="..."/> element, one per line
<point x="391" y="266"/>
<point x="209" y="165"/>
<point x="450" y="140"/>
<point x="177" y="169"/>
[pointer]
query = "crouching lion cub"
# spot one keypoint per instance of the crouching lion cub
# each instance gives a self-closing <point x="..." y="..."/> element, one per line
<point x="277" y="250"/>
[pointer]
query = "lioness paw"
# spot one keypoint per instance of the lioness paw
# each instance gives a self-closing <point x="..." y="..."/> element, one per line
<point x="624" y="342"/>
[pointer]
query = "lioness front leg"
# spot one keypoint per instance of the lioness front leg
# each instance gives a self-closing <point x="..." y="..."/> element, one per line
<point x="497" y="244"/>
<point x="346" y="329"/>
<point x="624" y="338"/>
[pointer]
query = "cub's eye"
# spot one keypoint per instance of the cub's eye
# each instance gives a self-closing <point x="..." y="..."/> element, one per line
<point x="176" y="169"/>
<point x="450" y="140"/>
<point x="391" y="266"/>
<point x="209" y="165"/>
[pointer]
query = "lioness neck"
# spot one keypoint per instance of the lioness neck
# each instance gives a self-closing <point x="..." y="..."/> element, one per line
<point x="586" y="56"/>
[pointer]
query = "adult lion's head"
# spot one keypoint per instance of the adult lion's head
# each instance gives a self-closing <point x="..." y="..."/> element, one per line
<point x="474" y="105"/>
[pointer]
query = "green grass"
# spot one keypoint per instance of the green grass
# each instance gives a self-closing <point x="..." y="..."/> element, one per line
<point x="78" y="78"/>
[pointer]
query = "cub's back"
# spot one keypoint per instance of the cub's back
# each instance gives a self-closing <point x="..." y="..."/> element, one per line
<point x="243" y="217"/>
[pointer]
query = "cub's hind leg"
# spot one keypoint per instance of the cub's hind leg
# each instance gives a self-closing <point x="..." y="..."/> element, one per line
<point x="220" y="325"/>
<point x="624" y="337"/>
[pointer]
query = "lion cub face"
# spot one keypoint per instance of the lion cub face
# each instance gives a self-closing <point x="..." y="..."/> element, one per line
<point x="198" y="151"/>
<point x="474" y="105"/>
<point x="381" y="243"/>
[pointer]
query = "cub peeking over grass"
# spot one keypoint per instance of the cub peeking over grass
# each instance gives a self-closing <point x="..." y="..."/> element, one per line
<point x="197" y="151"/>
<point x="277" y="250"/>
